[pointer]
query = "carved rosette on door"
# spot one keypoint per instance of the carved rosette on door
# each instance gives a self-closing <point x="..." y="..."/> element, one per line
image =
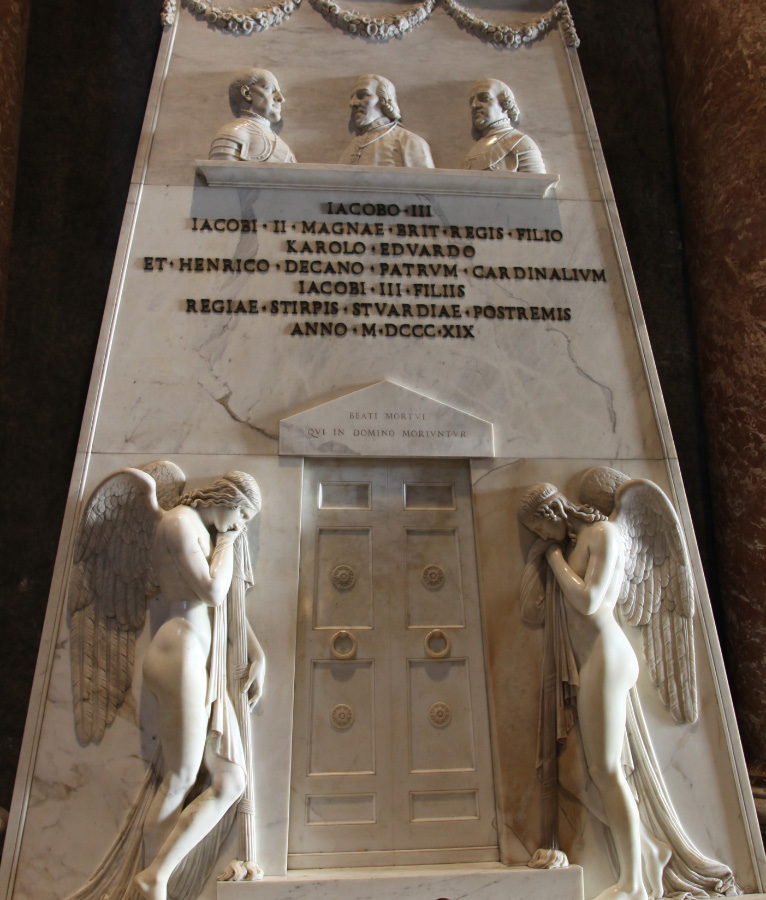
<point x="391" y="752"/>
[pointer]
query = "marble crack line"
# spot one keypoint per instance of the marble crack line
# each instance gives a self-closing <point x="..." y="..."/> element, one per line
<point x="224" y="402"/>
<point x="606" y="391"/>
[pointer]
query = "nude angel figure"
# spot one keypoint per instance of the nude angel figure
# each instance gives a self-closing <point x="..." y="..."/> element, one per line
<point x="141" y="535"/>
<point x="621" y="559"/>
<point x="194" y="574"/>
<point x="590" y="578"/>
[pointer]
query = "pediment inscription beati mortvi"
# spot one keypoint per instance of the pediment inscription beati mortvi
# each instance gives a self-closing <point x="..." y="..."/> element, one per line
<point x="384" y="420"/>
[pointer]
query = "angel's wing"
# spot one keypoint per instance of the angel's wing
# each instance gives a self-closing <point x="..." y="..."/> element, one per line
<point x="657" y="592"/>
<point x="110" y="580"/>
<point x="170" y="482"/>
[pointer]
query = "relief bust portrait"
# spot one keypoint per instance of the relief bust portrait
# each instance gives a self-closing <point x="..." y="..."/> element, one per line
<point x="380" y="139"/>
<point x="256" y="101"/>
<point x="501" y="146"/>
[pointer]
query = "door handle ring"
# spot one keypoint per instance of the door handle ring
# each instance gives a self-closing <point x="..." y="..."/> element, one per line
<point x="343" y="654"/>
<point x="430" y="650"/>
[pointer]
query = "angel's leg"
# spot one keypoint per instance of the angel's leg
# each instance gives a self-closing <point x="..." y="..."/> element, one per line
<point x="656" y="855"/>
<point x="198" y="819"/>
<point x="605" y="679"/>
<point x="177" y="676"/>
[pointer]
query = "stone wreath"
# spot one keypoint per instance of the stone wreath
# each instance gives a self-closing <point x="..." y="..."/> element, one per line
<point x="379" y="28"/>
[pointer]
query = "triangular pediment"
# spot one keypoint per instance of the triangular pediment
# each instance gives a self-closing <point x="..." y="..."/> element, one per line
<point x="385" y="419"/>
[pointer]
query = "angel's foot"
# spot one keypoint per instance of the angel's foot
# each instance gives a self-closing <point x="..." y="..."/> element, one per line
<point x="655" y="855"/>
<point x="150" y="887"/>
<point x="548" y="859"/>
<point x="241" y="870"/>
<point x="618" y="892"/>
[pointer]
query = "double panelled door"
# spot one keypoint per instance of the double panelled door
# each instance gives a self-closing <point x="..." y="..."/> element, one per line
<point x="391" y="754"/>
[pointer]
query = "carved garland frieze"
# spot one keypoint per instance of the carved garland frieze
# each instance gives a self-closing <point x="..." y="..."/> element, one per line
<point x="235" y="21"/>
<point x="513" y="36"/>
<point x="378" y="29"/>
<point x="381" y="28"/>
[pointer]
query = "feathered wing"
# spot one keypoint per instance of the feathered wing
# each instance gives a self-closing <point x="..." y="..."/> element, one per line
<point x="170" y="481"/>
<point x="110" y="580"/>
<point x="657" y="593"/>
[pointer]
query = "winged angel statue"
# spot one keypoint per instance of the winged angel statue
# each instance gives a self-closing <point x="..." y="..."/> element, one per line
<point x="141" y="535"/>
<point x="619" y="558"/>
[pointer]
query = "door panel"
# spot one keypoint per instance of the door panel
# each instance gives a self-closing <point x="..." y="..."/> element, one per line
<point x="391" y="756"/>
<point x="434" y="586"/>
<point x="342" y="698"/>
<point x="343" y="578"/>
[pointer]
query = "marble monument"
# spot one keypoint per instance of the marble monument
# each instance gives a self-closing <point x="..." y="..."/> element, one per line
<point x="390" y="349"/>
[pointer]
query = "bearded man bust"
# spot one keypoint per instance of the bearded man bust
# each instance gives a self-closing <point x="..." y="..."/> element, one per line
<point x="380" y="139"/>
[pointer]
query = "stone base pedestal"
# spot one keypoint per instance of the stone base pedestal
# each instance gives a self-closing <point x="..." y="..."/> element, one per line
<point x="490" y="881"/>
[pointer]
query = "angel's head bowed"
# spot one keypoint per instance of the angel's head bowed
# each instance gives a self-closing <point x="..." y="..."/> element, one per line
<point x="549" y="514"/>
<point x="233" y="490"/>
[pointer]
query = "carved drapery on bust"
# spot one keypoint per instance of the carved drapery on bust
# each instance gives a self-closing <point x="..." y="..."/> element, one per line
<point x="380" y="139"/>
<point x="501" y="146"/>
<point x="619" y="557"/>
<point x="140" y="535"/>
<point x="256" y="101"/>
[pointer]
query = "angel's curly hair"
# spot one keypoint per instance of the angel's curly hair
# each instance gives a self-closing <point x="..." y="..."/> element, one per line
<point x="546" y="500"/>
<point x="233" y="490"/>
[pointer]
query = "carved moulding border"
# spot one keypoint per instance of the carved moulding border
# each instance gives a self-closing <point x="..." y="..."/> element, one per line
<point x="381" y="28"/>
<point x="380" y="179"/>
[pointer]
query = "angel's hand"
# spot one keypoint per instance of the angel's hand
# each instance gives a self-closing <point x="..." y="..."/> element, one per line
<point x="553" y="549"/>
<point x="254" y="683"/>
<point x="229" y="536"/>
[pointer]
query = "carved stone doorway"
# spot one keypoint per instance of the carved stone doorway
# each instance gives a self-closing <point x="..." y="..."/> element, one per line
<point x="391" y="749"/>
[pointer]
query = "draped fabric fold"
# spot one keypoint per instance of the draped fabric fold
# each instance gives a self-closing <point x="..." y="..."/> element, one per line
<point x="689" y="873"/>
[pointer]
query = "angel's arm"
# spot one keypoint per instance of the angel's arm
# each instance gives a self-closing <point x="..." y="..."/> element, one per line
<point x="256" y="667"/>
<point x="210" y="582"/>
<point x="588" y="593"/>
<point x="254" y="649"/>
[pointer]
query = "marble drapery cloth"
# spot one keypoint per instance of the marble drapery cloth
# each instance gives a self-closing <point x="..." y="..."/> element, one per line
<point x="388" y="145"/>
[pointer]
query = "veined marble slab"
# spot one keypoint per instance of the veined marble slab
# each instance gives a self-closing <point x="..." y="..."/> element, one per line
<point x="482" y="881"/>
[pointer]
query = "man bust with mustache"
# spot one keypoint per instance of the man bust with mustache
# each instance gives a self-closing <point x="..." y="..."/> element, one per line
<point x="256" y="101"/>
<point x="500" y="145"/>
<point x="380" y="139"/>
